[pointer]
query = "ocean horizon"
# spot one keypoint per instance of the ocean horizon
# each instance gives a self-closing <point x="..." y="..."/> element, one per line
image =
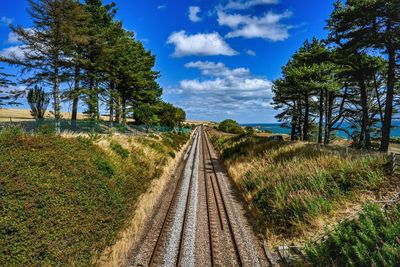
<point x="277" y="128"/>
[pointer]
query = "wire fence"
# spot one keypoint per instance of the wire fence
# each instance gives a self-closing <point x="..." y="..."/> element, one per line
<point x="85" y="126"/>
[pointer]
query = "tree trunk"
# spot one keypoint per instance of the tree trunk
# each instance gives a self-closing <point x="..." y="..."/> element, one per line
<point x="364" y="135"/>
<point x="321" y="115"/>
<point x="111" y="104"/>
<point x="328" y="116"/>
<point x="91" y="98"/>
<point x="118" y="109"/>
<point x="123" y="110"/>
<point x="56" y="92"/>
<point x="75" y="96"/>
<point x="97" y="105"/>
<point x="294" y="123"/>
<point x="299" y="123"/>
<point x="306" y="125"/>
<point x="387" y="120"/>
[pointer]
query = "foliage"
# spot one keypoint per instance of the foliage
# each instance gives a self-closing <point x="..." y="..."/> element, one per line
<point x="230" y="126"/>
<point x="373" y="239"/>
<point x="7" y="97"/>
<point x="343" y="78"/>
<point x="94" y="52"/>
<point x="249" y="130"/>
<point x="64" y="200"/>
<point x="291" y="185"/>
<point x="117" y="148"/>
<point x="45" y="129"/>
<point x="38" y="100"/>
<point x="159" y="113"/>
<point x="146" y="114"/>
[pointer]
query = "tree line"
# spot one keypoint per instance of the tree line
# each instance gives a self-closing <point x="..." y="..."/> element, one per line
<point x="348" y="81"/>
<point x="83" y="47"/>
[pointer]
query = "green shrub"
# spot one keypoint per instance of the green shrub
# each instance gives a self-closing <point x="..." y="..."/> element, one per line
<point x="46" y="129"/>
<point x="230" y="126"/>
<point x="105" y="167"/>
<point x="371" y="240"/>
<point x="249" y="130"/>
<point x="117" y="148"/>
<point x="11" y="132"/>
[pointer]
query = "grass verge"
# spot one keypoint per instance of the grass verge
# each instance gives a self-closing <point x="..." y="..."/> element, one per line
<point x="64" y="200"/>
<point x="292" y="187"/>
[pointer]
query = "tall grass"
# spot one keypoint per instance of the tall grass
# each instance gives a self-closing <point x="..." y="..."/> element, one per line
<point x="373" y="239"/>
<point x="64" y="200"/>
<point x="291" y="185"/>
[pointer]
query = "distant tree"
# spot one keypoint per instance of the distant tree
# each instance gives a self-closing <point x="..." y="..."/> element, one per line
<point x="146" y="114"/>
<point x="159" y="113"/>
<point x="170" y="115"/>
<point x="230" y="126"/>
<point x="249" y="130"/>
<point x="38" y="100"/>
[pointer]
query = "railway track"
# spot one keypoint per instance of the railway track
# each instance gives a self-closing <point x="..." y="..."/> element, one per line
<point x="159" y="252"/>
<point x="226" y="232"/>
<point x="175" y="238"/>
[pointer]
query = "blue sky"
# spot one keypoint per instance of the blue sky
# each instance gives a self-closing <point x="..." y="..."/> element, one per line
<point x="217" y="58"/>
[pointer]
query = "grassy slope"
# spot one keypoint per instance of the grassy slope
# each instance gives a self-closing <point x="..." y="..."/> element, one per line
<point x="293" y="186"/>
<point x="371" y="240"/>
<point x="62" y="201"/>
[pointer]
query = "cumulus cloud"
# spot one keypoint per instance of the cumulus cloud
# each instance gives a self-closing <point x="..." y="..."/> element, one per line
<point x="161" y="6"/>
<point x="12" y="38"/>
<point x="200" y="44"/>
<point x="250" y="52"/>
<point x="6" y="20"/>
<point x="12" y="51"/>
<point x="268" y="26"/>
<point x="194" y="13"/>
<point x="219" y="69"/>
<point x="222" y="91"/>
<point x="248" y="4"/>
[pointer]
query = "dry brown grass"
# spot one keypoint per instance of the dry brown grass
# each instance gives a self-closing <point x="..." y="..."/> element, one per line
<point x="25" y="115"/>
<point x="295" y="189"/>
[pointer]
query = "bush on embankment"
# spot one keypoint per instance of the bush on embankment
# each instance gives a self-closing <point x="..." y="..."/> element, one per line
<point x="64" y="200"/>
<point x="230" y="126"/>
<point x="292" y="185"/>
<point x="373" y="239"/>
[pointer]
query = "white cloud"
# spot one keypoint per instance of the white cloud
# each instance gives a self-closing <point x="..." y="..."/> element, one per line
<point x="12" y="38"/>
<point x="250" y="52"/>
<point x="200" y="44"/>
<point x="12" y="51"/>
<point x="268" y="26"/>
<point x="208" y="68"/>
<point x="6" y="21"/>
<point x="161" y="6"/>
<point x="222" y="91"/>
<point x="248" y="4"/>
<point x="194" y="13"/>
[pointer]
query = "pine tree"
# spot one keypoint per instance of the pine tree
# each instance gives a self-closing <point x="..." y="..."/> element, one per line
<point x="46" y="46"/>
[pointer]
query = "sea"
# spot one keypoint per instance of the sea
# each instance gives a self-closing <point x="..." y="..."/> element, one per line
<point x="277" y="128"/>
